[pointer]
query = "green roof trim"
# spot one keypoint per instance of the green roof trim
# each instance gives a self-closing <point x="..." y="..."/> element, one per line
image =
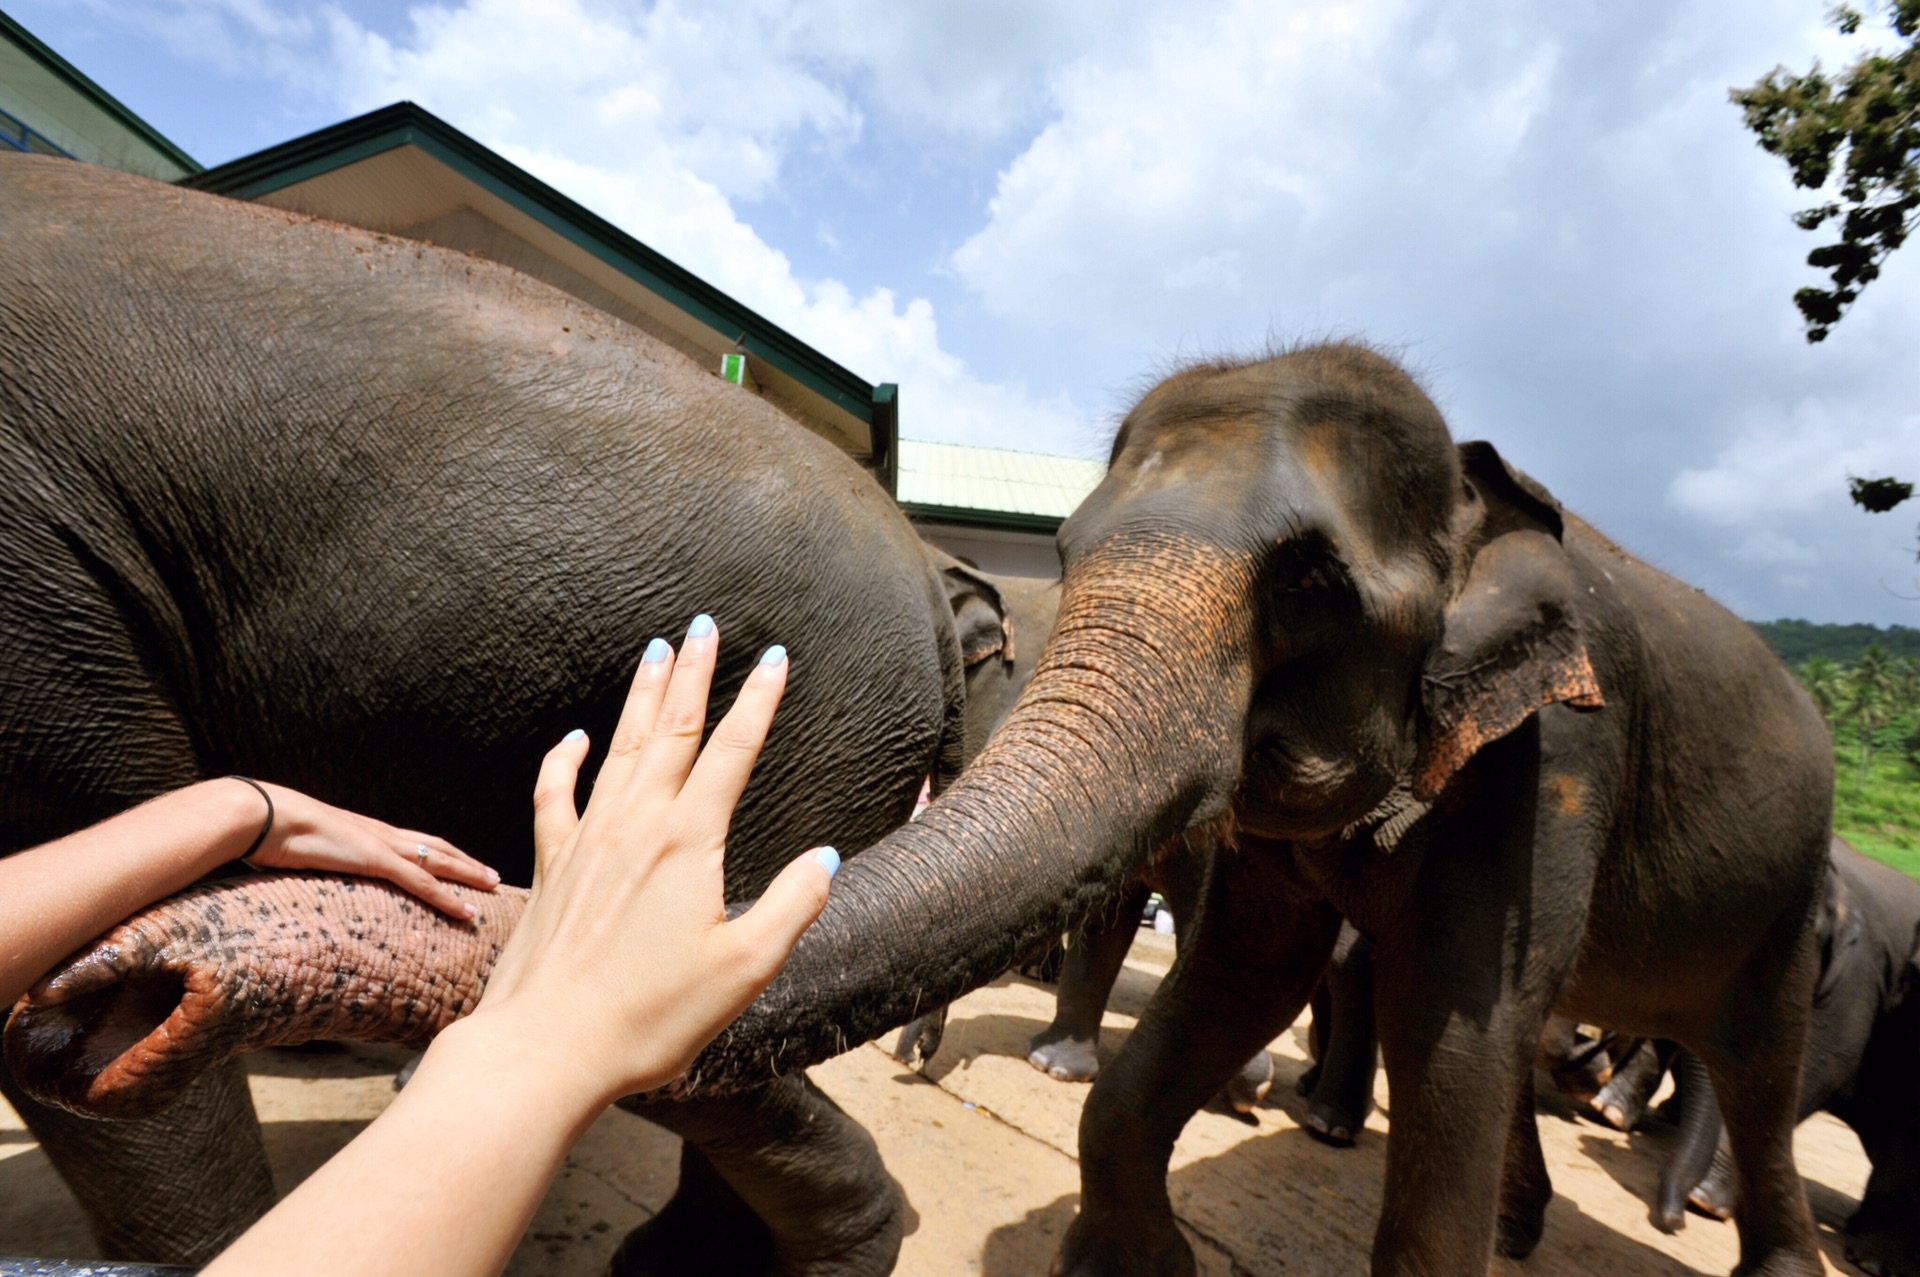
<point x="405" y="124"/>
<point x="78" y="80"/>
<point x="968" y="516"/>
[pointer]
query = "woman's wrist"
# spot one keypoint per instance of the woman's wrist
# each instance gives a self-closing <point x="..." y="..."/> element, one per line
<point x="512" y="1051"/>
<point x="234" y="814"/>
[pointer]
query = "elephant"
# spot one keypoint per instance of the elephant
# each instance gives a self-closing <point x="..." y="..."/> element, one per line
<point x="1404" y="687"/>
<point x="1067" y="1049"/>
<point x="1863" y="1054"/>
<point x="382" y="521"/>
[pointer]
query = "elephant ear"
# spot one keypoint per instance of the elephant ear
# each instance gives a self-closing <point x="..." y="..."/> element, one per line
<point x="1512" y="643"/>
<point x="980" y="616"/>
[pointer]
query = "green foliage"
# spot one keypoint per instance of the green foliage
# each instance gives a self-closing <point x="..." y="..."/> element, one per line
<point x="1796" y="641"/>
<point x="1866" y="121"/>
<point x="1872" y="707"/>
<point x="1877" y="496"/>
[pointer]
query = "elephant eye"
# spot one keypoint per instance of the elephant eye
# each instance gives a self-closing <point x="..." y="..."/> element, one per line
<point x="1312" y="579"/>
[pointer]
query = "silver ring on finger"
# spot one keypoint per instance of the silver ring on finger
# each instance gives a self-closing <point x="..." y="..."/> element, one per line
<point x="420" y="852"/>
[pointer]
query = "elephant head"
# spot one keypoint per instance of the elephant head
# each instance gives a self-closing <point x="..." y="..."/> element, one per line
<point x="1290" y="594"/>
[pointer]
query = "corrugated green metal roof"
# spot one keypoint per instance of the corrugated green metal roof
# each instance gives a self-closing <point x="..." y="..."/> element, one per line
<point x="995" y="487"/>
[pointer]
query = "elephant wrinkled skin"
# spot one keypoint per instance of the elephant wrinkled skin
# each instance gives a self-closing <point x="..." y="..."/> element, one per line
<point x="383" y="521"/>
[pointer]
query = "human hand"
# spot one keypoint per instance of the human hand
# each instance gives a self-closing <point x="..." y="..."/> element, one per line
<point x="624" y="953"/>
<point x="310" y="834"/>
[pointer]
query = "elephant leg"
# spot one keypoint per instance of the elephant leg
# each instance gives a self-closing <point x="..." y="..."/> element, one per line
<point x="1883" y="1236"/>
<point x="1525" y="1186"/>
<point x="1254" y="953"/>
<point x="1182" y="878"/>
<point x="1458" y="1081"/>
<point x="920" y="1039"/>
<point x="1642" y="1066"/>
<point x="1755" y="1059"/>
<point x="1067" y="1048"/>
<point x="176" y="1188"/>
<point x="1342" y="1094"/>
<point x="784" y="1163"/>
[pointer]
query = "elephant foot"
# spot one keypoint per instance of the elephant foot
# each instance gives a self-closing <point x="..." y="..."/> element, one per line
<point x="1309" y="1081"/>
<point x="1882" y="1241"/>
<point x="1713" y="1196"/>
<point x="1148" y="1248"/>
<point x="1517" y="1236"/>
<point x="1523" y="1216"/>
<point x="1336" y="1119"/>
<point x="920" y="1039"/>
<point x="1883" y="1255"/>
<point x="1250" y="1085"/>
<point x="1063" y="1057"/>
<point x="1618" y="1106"/>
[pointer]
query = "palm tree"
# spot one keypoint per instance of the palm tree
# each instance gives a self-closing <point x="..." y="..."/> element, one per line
<point x="1826" y="682"/>
<point x="1873" y="700"/>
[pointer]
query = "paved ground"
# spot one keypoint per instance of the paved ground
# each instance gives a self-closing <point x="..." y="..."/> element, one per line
<point x="984" y="1145"/>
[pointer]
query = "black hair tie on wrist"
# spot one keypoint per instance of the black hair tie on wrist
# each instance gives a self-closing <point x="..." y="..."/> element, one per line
<point x="264" y="829"/>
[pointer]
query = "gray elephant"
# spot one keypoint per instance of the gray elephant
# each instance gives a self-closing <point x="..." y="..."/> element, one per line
<point x="383" y="521"/>
<point x="1067" y="1050"/>
<point x="1862" y="1061"/>
<point x="1291" y="591"/>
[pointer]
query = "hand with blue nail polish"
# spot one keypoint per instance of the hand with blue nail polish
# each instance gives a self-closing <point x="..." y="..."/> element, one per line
<point x="634" y="884"/>
<point x="623" y="967"/>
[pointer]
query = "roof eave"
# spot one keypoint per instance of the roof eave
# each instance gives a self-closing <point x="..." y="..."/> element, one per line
<point x="404" y="123"/>
<point x="113" y="106"/>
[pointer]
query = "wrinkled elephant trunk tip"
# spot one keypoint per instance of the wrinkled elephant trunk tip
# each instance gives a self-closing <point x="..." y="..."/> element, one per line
<point x="96" y="1053"/>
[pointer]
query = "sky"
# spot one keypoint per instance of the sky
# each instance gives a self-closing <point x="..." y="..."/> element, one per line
<point x="1023" y="211"/>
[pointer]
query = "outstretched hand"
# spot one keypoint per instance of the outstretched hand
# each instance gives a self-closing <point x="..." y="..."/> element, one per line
<point x="310" y="834"/>
<point x="624" y="950"/>
<point x="622" y="969"/>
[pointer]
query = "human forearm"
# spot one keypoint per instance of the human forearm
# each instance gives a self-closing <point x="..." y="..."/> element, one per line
<point x="56" y="897"/>
<point x="447" y="1178"/>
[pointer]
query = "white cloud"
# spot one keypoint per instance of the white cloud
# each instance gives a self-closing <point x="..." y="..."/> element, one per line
<point x="666" y="118"/>
<point x="1799" y="462"/>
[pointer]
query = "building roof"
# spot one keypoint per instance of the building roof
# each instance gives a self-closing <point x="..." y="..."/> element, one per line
<point x="992" y="487"/>
<point x="405" y="171"/>
<point x="47" y="105"/>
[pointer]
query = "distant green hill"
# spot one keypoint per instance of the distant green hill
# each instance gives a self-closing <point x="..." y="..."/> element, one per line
<point x="1795" y="641"/>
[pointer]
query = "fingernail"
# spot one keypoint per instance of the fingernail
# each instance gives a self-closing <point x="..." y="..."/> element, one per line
<point x="493" y="876"/>
<point x="656" y="652"/>
<point x="701" y="627"/>
<point x="829" y="860"/>
<point x="467" y="910"/>
<point x="773" y="655"/>
<point x="575" y="734"/>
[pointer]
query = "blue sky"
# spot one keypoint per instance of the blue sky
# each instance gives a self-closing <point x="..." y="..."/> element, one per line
<point x="1019" y="210"/>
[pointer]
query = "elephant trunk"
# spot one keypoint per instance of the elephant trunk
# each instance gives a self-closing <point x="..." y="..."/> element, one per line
<point x="1127" y="734"/>
<point x="121" y="1029"/>
<point x="1699" y="1137"/>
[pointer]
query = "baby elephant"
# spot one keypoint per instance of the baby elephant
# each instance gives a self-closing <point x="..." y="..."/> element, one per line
<point x="1862" y="1065"/>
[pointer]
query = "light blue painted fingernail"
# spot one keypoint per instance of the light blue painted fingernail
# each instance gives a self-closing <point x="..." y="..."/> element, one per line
<point x="656" y="652"/>
<point x="773" y="655"/>
<point x="829" y="860"/>
<point x="701" y="627"/>
<point x="575" y="734"/>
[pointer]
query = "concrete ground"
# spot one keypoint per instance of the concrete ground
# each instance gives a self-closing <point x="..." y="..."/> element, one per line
<point x="984" y="1147"/>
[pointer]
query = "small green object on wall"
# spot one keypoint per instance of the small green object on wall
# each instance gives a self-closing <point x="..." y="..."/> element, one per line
<point x="734" y="368"/>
